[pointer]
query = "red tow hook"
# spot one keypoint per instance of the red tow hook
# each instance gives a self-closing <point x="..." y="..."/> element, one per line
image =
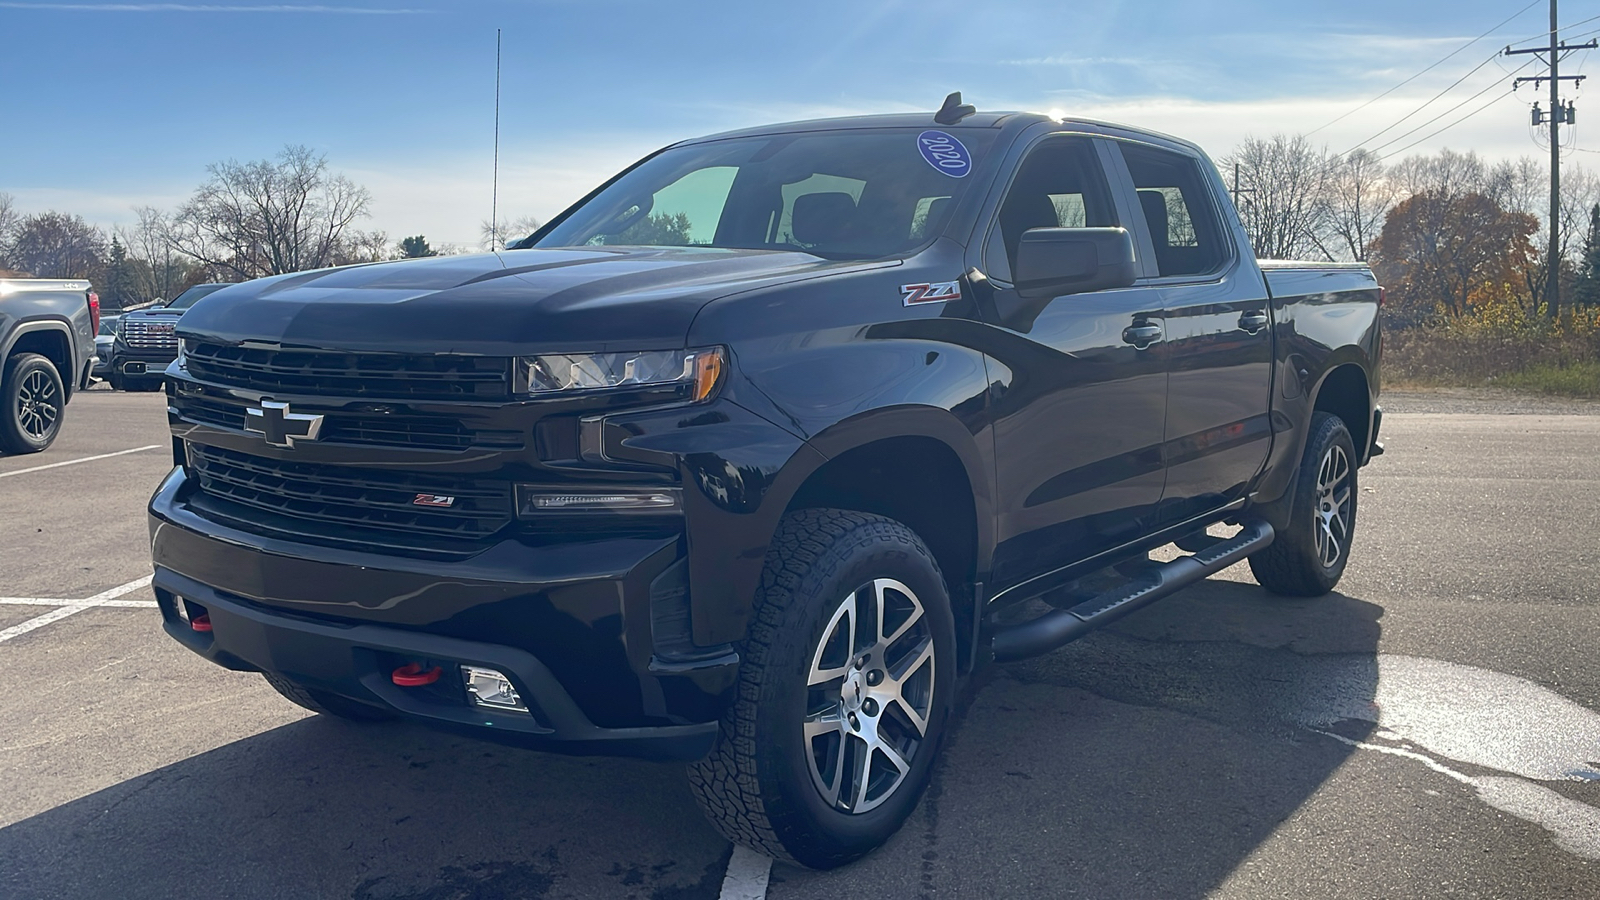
<point x="201" y="622"/>
<point x="413" y="675"/>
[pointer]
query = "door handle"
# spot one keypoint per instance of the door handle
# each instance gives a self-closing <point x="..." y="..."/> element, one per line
<point x="1141" y="336"/>
<point x="1253" y="321"/>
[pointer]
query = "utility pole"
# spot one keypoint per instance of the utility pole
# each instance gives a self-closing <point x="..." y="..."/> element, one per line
<point x="1238" y="190"/>
<point x="1558" y="116"/>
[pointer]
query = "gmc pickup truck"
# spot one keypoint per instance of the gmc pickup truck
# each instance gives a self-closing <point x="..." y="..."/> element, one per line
<point x="756" y="453"/>
<point x="47" y="329"/>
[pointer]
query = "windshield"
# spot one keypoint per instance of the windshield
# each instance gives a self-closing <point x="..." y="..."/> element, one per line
<point x="188" y="298"/>
<point x="108" y="324"/>
<point x="836" y="194"/>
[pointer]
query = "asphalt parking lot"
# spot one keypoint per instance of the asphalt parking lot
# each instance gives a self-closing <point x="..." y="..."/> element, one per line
<point x="1431" y="730"/>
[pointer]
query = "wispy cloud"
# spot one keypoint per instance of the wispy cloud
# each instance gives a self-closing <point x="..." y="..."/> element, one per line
<point x="206" y="8"/>
<point x="1078" y="61"/>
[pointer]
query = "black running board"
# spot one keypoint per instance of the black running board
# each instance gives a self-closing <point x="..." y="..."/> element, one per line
<point x="1058" y="627"/>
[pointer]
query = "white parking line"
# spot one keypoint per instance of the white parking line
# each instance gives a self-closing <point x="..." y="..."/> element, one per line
<point x="48" y="601"/>
<point x="73" y="462"/>
<point x="104" y="598"/>
<point x="747" y="875"/>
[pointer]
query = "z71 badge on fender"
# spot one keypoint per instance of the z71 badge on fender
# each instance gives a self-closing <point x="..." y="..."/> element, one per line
<point x="937" y="292"/>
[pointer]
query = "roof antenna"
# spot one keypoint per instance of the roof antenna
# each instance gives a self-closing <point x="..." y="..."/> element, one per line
<point x="953" y="110"/>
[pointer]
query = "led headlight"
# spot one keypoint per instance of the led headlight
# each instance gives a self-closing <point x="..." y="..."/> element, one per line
<point x="696" y="371"/>
<point x="534" y="501"/>
<point x="183" y="353"/>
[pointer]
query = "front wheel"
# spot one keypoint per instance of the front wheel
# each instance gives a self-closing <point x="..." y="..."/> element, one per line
<point x="1308" y="557"/>
<point x="843" y="694"/>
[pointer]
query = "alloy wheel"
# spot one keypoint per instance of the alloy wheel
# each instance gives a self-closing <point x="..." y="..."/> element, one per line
<point x="38" y="405"/>
<point x="1333" y="506"/>
<point x="869" y="696"/>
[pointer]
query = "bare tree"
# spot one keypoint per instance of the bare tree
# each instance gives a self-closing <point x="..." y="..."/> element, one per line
<point x="495" y="237"/>
<point x="362" y="247"/>
<point x="156" y="268"/>
<point x="1523" y="185"/>
<point x="268" y="217"/>
<point x="9" y="218"/>
<point x="1283" y="180"/>
<point x="57" y="245"/>
<point x="1445" y="175"/>
<point x="1357" y="197"/>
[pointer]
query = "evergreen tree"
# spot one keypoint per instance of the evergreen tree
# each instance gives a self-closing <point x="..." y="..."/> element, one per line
<point x="1586" y="288"/>
<point x="415" y="247"/>
<point x="118" y="288"/>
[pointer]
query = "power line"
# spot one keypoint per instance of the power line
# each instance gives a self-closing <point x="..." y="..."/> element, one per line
<point x="1396" y="139"/>
<point x="1430" y="102"/>
<point x="1431" y="135"/>
<point x="1446" y="58"/>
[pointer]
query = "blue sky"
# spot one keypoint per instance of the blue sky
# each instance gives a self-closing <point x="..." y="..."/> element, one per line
<point x="111" y="105"/>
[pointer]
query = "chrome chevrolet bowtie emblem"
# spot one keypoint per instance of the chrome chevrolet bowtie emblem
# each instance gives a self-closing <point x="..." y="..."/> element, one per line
<point x="279" y="426"/>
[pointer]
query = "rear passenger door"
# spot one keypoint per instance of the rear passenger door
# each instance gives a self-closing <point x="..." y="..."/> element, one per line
<point x="1218" y="341"/>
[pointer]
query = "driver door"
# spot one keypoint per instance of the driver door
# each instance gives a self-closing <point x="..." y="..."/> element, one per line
<point x="1078" y="388"/>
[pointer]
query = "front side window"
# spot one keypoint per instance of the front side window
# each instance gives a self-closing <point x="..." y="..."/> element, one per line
<point x="862" y="194"/>
<point x="1177" y="209"/>
<point x="1060" y="185"/>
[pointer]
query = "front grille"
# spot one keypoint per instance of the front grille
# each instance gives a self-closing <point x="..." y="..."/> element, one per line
<point x="406" y="430"/>
<point x="337" y="374"/>
<point x="358" y="498"/>
<point x="141" y="334"/>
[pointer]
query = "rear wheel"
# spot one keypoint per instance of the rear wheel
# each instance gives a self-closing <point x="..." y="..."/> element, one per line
<point x="844" y="692"/>
<point x="1308" y="558"/>
<point x="34" y="402"/>
<point x="325" y="703"/>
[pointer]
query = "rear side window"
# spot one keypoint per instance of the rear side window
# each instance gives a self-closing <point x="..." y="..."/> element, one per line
<point x="1178" y="211"/>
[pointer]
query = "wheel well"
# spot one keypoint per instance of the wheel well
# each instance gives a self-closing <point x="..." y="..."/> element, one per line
<point x="921" y="483"/>
<point x="1344" y="393"/>
<point x="54" y="346"/>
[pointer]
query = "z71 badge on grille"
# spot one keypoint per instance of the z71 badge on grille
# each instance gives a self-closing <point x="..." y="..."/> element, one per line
<point x="439" y="500"/>
<point x="937" y="292"/>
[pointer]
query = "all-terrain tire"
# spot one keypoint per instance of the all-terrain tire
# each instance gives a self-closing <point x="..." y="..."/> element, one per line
<point x="324" y="703"/>
<point x="33" y="403"/>
<point x="758" y="786"/>
<point x="1297" y="563"/>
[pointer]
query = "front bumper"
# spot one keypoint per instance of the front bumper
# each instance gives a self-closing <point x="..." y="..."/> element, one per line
<point x="573" y="625"/>
<point x="139" y="363"/>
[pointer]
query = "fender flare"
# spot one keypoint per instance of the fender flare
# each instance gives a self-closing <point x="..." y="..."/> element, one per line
<point x="914" y="421"/>
<point x="69" y="376"/>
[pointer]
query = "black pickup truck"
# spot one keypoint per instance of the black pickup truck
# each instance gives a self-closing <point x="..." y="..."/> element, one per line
<point x="753" y="455"/>
<point x="47" y="328"/>
<point x="146" y="341"/>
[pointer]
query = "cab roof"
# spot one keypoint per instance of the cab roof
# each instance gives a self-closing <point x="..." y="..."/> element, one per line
<point x="894" y="120"/>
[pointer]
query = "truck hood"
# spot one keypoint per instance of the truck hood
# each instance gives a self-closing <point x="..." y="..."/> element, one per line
<point x="521" y="301"/>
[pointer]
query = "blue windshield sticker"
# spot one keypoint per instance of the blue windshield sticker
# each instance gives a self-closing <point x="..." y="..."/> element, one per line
<point x="945" y="153"/>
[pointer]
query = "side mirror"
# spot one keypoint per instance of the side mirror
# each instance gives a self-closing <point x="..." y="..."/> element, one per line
<point x="1056" y="261"/>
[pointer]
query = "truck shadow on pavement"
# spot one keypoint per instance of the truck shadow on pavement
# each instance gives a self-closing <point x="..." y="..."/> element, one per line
<point x="1149" y="760"/>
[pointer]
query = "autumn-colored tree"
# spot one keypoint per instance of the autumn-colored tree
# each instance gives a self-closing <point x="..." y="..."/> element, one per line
<point x="1439" y="252"/>
<point x="57" y="245"/>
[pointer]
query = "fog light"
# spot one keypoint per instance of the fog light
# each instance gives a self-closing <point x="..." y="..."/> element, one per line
<point x="488" y="687"/>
